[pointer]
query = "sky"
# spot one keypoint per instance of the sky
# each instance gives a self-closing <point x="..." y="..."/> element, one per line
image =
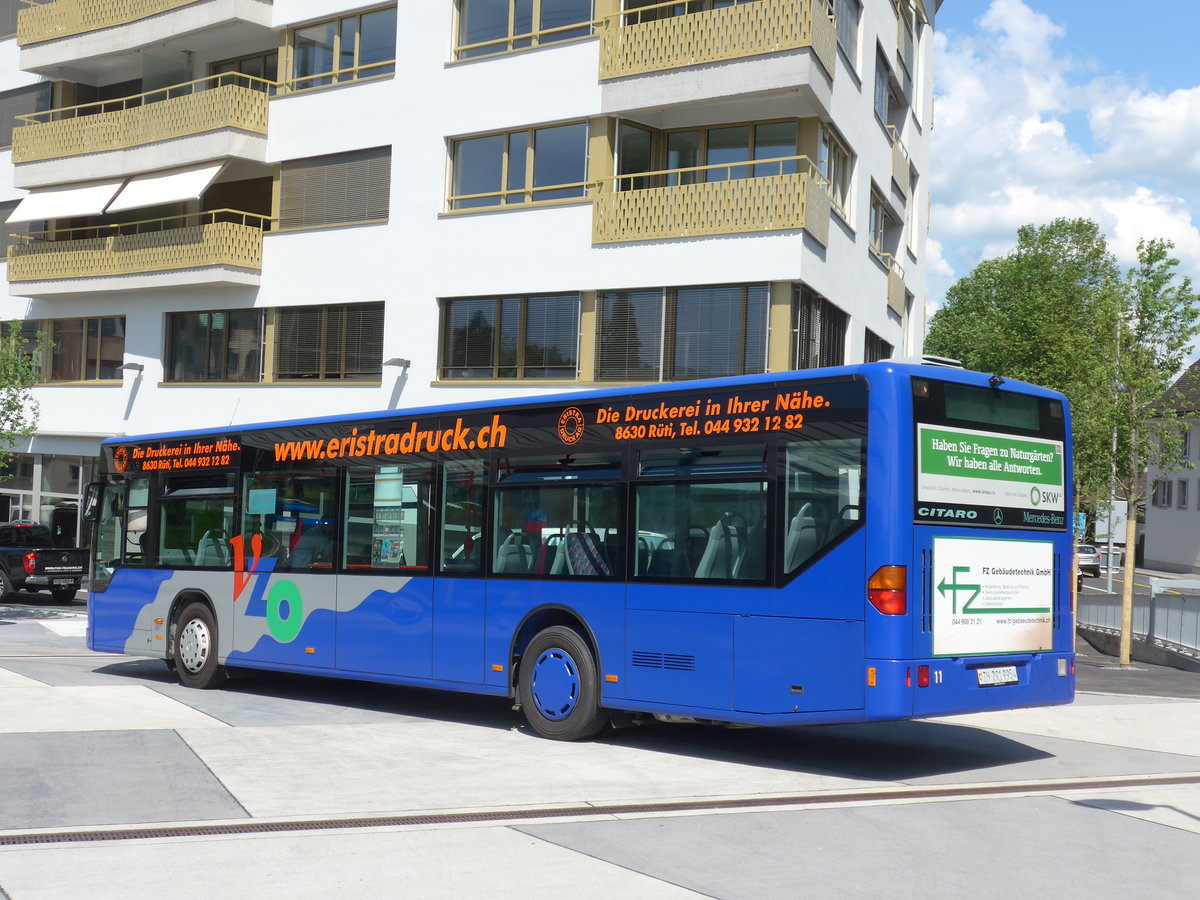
<point x="1072" y="108"/>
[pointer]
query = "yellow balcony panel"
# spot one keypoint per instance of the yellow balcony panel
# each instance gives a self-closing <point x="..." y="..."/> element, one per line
<point x="901" y="173"/>
<point x="659" y="209"/>
<point x="228" y="101"/>
<point x="46" y="20"/>
<point x="632" y="43"/>
<point x="895" y="289"/>
<point x="223" y="238"/>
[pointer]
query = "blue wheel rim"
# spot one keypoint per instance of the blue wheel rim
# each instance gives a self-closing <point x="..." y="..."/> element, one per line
<point x="555" y="686"/>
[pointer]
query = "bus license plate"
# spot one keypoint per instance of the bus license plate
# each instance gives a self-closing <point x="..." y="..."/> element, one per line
<point x="997" y="675"/>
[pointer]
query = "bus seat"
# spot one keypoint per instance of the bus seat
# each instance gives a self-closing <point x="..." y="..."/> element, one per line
<point x="753" y="563"/>
<point x="724" y="547"/>
<point x="514" y="554"/>
<point x="585" y="553"/>
<point x="802" y="539"/>
<point x="213" y="549"/>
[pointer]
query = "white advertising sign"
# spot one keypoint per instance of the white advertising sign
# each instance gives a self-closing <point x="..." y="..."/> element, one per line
<point x="992" y="596"/>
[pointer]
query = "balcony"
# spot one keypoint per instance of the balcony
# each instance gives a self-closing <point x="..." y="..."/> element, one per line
<point x="231" y="102"/>
<point x="654" y="38"/>
<point x="218" y="247"/>
<point x="713" y="200"/>
<point x="90" y="33"/>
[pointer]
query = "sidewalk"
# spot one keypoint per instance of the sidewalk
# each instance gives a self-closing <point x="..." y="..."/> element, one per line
<point x="1097" y="672"/>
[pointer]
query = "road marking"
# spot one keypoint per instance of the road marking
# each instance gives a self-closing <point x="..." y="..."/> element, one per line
<point x="611" y="810"/>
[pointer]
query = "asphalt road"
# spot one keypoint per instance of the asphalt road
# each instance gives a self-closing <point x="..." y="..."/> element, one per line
<point x="116" y="780"/>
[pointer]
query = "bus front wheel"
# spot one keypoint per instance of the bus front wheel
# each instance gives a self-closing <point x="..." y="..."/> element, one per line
<point x="558" y="686"/>
<point x="194" y="648"/>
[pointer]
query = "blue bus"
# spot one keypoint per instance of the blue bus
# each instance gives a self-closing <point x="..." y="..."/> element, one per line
<point x="860" y="543"/>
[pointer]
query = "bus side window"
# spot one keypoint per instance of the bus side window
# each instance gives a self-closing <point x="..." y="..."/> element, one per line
<point x="557" y="530"/>
<point x="823" y="500"/>
<point x="462" y="516"/>
<point x="707" y="531"/>
<point x="296" y="515"/>
<point x="388" y="517"/>
<point x="195" y="521"/>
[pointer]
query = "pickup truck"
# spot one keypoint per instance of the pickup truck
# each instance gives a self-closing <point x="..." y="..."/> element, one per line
<point x="29" y="561"/>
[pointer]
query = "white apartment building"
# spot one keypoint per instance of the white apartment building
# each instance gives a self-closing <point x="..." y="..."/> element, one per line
<point x="228" y="211"/>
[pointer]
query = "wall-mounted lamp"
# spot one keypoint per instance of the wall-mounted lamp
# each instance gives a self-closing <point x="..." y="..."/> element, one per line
<point x="133" y="367"/>
<point x="400" y="362"/>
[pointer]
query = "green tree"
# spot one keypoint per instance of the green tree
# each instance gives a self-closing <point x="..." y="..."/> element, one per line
<point x="1046" y="313"/>
<point x="1158" y="327"/>
<point x="18" y="409"/>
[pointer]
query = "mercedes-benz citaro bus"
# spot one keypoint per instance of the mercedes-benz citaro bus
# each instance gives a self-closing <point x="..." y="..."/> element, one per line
<point x="852" y="544"/>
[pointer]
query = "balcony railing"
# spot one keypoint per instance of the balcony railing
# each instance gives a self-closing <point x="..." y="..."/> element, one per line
<point x="46" y="20"/>
<point x="730" y="198"/>
<point x="901" y="172"/>
<point x="228" y="100"/>
<point x="654" y="38"/>
<point x="222" y="237"/>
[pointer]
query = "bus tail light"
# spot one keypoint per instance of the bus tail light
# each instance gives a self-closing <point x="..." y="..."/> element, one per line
<point x="922" y="676"/>
<point x="887" y="590"/>
<point x="30" y="563"/>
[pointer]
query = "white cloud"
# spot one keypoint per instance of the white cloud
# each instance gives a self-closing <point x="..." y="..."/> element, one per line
<point x="1023" y="135"/>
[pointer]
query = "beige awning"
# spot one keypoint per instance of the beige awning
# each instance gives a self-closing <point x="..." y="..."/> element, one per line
<point x="171" y="186"/>
<point x="66" y="202"/>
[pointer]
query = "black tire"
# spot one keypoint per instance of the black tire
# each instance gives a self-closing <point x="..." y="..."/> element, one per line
<point x="6" y="588"/>
<point x="558" y="686"/>
<point x="194" y="648"/>
<point x="63" y="595"/>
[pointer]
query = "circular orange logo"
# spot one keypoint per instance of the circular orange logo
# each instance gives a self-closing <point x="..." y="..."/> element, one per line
<point x="121" y="459"/>
<point x="570" y="425"/>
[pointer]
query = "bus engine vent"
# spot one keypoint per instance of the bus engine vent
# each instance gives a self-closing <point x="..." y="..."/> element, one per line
<point x="677" y="661"/>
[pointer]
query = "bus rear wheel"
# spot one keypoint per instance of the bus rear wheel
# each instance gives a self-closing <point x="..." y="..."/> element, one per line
<point x="194" y="648"/>
<point x="558" y="686"/>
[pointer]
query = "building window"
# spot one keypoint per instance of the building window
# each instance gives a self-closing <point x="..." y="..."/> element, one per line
<point x="1181" y="494"/>
<point x="34" y="98"/>
<point x="345" y="49"/>
<point x="214" y="346"/>
<point x="1185" y="447"/>
<point x="682" y="333"/>
<point x="263" y="65"/>
<point x="847" y="14"/>
<point x="8" y="17"/>
<point x="881" y="232"/>
<point x="1162" y="494"/>
<point x="500" y="26"/>
<point x="727" y="146"/>
<point x="329" y="343"/>
<point x="511" y="337"/>
<point x="834" y="164"/>
<point x="875" y="348"/>
<point x="339" y="189"/>
<point x="820" y="331"/>
<point x="86" y="349"/>
<point x="517" y="167"/>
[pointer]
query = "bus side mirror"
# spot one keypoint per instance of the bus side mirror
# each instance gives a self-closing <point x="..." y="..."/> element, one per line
<point x="91" y="501"/>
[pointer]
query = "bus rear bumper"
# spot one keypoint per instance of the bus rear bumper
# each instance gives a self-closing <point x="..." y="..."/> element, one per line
<point x="921" y="688"/>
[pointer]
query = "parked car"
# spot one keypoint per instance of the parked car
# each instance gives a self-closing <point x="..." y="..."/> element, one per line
<point x="29" y="561"/>
<point x="1087" y="560"/>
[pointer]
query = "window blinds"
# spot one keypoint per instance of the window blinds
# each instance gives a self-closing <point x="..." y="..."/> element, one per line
<point x="339" y="189"/>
